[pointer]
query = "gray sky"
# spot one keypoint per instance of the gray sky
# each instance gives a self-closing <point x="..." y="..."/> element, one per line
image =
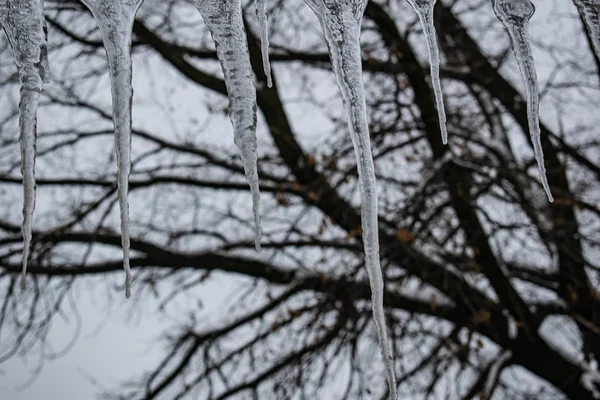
<point x="122" y="348"/>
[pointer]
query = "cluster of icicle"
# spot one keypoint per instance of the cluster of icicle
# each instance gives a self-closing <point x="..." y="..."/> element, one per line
<point x="24" y="24"/>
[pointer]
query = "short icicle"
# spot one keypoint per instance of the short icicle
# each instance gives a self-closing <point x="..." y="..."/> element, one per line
<point x="424" y="10"/>
<point x="24" y="24"/>
<point x="515" y="16"/>
<point x="226" y="25"/>
<point x="590" y="12"/>
<point x="340" y="21"/>
<point x="261" y="13"/>
<point x="115" y="20"/>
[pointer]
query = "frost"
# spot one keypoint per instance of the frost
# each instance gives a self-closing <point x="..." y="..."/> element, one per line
<point x="424" y="9"/>
<point x="515" y="16"/>
<point x="261" y="13"/>
<point x="590" y="12"/>
<point x="24" y="24"/>
<point x="340" y="21"/>
<point x="115" y="21"/>
<point x="224" y="21"/>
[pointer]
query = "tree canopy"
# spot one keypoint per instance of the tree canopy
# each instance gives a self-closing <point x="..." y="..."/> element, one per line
<point x="490" y="289"/>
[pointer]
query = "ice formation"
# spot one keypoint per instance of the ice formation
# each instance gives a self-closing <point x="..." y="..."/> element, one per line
<point x="226" y="25"/>
<point x="590" y="12"/>
<point x="115" y="21"/>
<point x="261" y="13"/>
<point x="340" y="21"/>
<point x="515" y="16"/>
<point x="424" y="9"/>
<point x="24" y="24"/>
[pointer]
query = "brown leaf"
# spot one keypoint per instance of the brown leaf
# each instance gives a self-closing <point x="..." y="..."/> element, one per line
<point x="432" y="302"/>
<point x="404" y="235"/>
<point x="482" y="316"/>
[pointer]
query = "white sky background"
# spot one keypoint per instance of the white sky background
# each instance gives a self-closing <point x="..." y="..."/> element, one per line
<point x="112" y="345"/>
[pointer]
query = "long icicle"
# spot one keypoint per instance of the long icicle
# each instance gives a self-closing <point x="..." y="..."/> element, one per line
<point x="25" y="26"/>
<point x="424" y="10"/>
<point x="226" y="25"/>
<point x="515" y="16"/>
<point x="261" y="13"/>
<point x="115" y="20"/>
<point x="340" y="21"/>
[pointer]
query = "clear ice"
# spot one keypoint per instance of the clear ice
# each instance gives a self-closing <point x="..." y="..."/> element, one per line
<point x="515" y="16"/>
<point x="340" y="21"/>
<point x="25" y="27"/>
<point x="115" y="20"/>
<point x="424" y="9"/>
<point x="226" y="25"/>
<point x="261" y="14"/>
<point x="590" y="12"/>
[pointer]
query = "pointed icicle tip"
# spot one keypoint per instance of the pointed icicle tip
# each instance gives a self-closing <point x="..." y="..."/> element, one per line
<point x="23" y="282"/>
<point x="127" y="285"/>
<point x="256" y="211"/>
<point x="546" y="187"/>
<point x="257" y="244"/>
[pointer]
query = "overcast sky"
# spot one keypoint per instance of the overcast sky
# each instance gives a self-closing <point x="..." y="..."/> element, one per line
<point x="111" y="346"/>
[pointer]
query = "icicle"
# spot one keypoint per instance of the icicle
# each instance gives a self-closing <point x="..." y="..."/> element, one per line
<point x="115" y="20"/>
<point x="24" y="24"/>
<point x="224" y="21"/>
<point x="515" y="16"/>
<point x="340" y="21"/>
<point x="590" y="12"/>
<point x="424" y="9"/>
<point x="261" y="13"/>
